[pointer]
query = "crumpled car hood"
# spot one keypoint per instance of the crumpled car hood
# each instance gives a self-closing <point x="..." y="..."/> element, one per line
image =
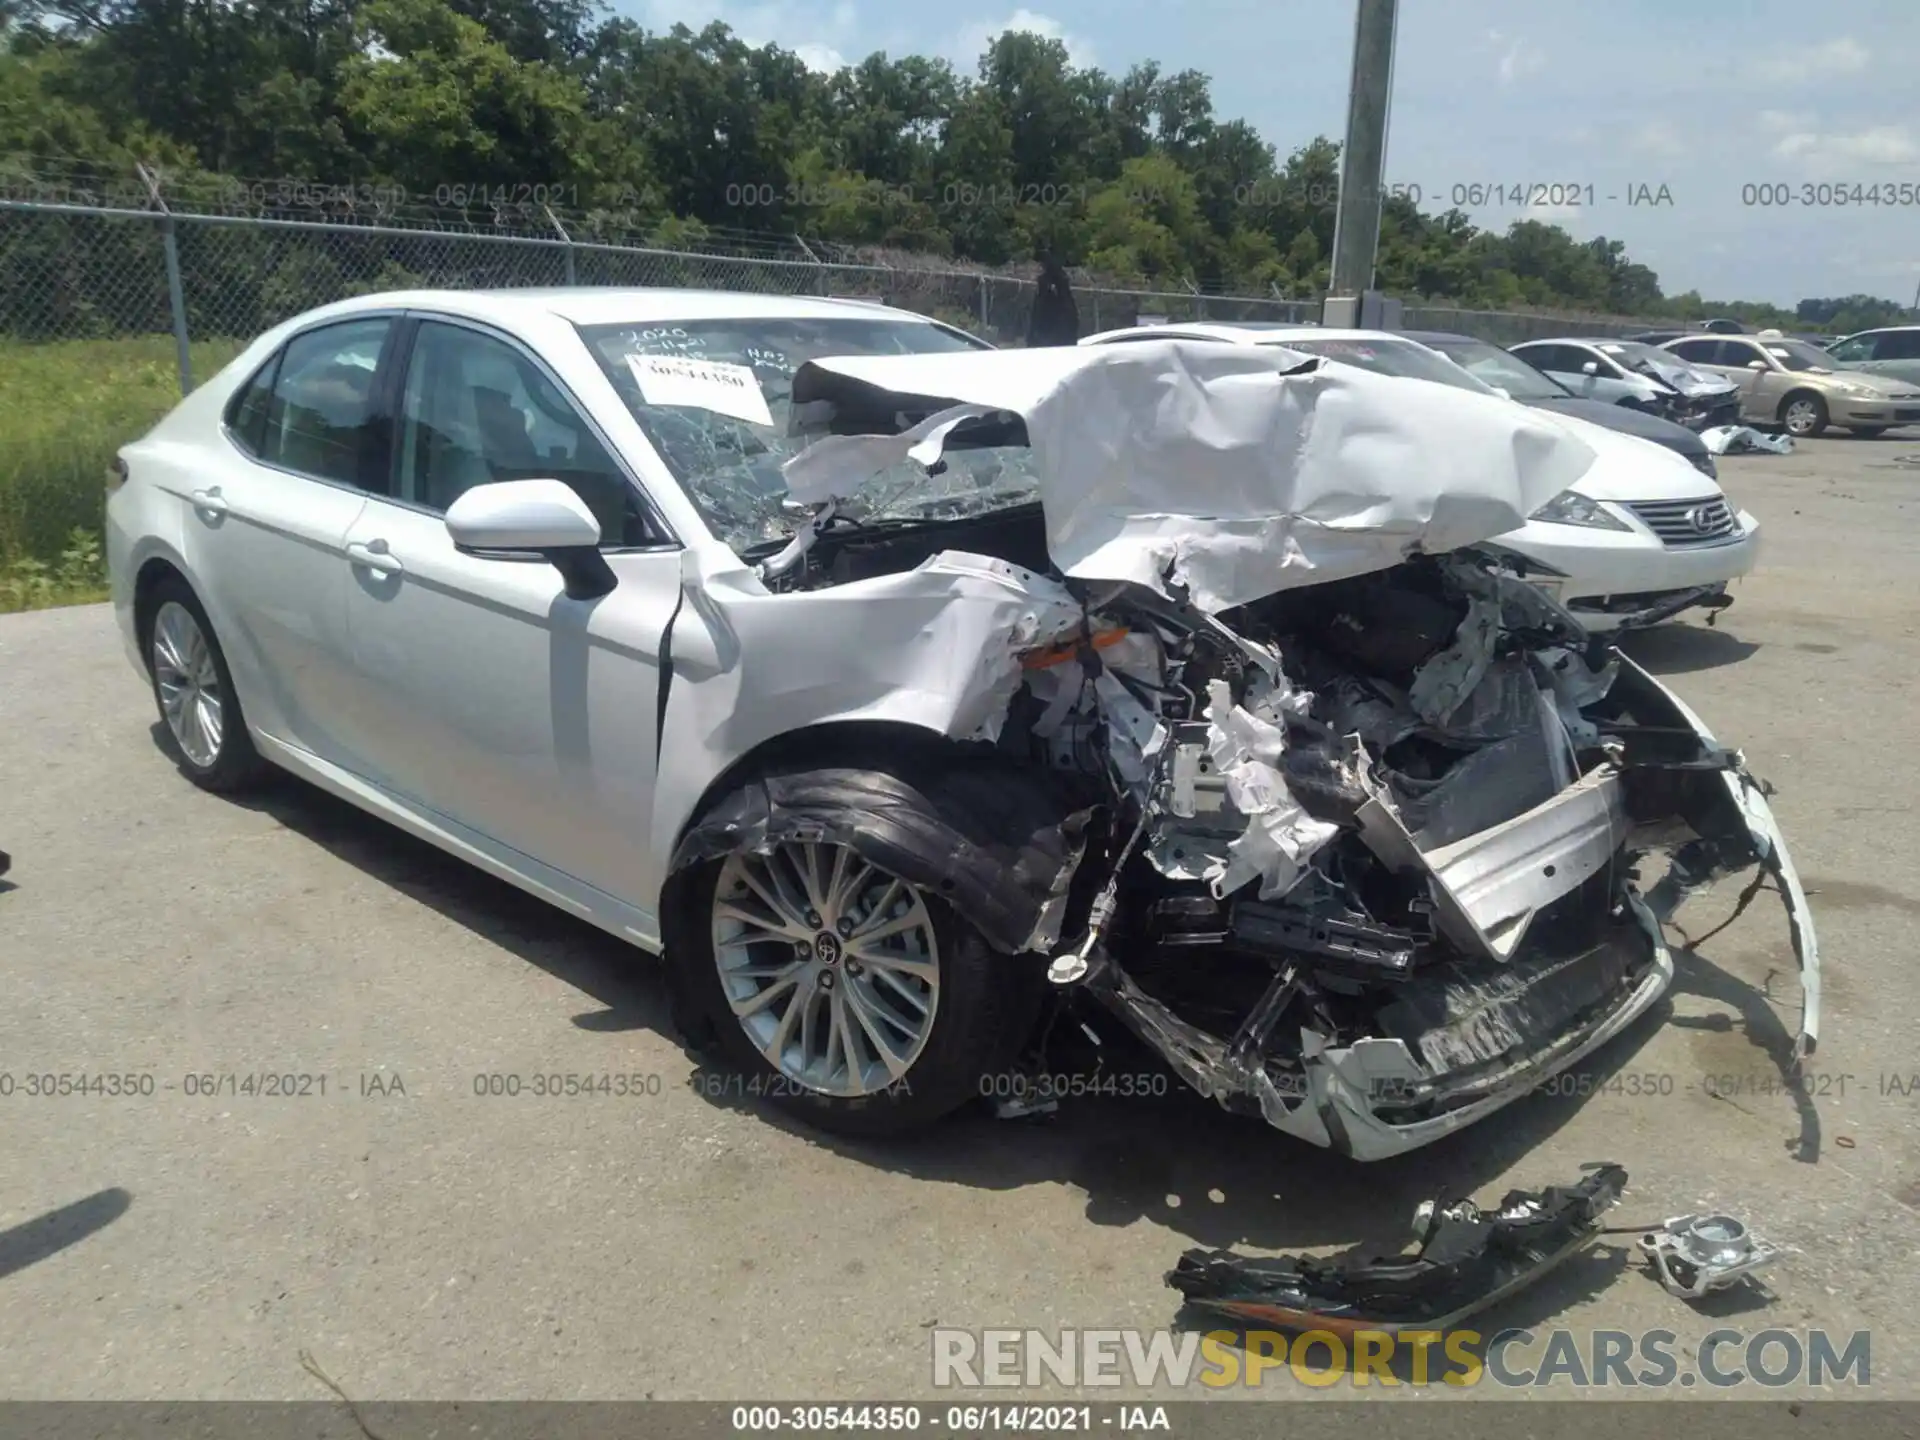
<point x="1226" y="472"/>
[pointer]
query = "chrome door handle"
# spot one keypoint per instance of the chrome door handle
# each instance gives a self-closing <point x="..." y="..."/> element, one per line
<point x="209" y="500"/>
<point x="373" y="555"/>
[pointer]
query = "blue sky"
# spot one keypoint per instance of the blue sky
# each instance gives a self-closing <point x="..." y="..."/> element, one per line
<point x="1701" y="96"/>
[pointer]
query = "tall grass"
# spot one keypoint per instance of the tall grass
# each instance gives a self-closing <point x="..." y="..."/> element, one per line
<point x="65" y="408"/>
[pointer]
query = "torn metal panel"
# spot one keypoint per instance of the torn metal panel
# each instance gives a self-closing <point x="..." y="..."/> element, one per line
<point x="935" y="649"/>
<point x="1488" y="887"/>
<point x="1225" y="472"/>
<point x="1465" y="1259"/>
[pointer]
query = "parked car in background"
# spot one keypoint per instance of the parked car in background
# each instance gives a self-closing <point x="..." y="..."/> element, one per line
<point x="1800" y="387"/>
<point x="1893" y="350"/>
<point x="1642" y="536"/>
<point x="1626" y="372"/>
<point x="1659" y="337"/>
<point x="1723" y="326"/>
<point x="1516" y="379"/>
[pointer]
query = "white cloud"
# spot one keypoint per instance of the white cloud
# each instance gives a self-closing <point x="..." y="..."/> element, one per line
<point x="812" y="32"/>
<point x="1843" y="55"/>
<point x="1784" y="122"/>
<point x="970" y="42"/>
<point x="1874" y="146"/>
<point x="1517" y="56"/>
<point x="823" y="58"/>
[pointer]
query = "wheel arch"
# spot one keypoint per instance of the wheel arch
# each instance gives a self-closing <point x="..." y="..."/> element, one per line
<point x="999" y="842"/>
<point x="1799" y="392"/>
<point x="154" y="571"/>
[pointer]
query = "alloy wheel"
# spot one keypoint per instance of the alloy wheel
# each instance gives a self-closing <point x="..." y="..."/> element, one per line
<point x="188" y="681"/>
<point x="1801" y="416"/>
<point x="830" y="964"/>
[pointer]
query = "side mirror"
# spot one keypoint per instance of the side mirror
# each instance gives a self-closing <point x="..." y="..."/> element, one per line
<point x="1756" y="364"/>
<point x="512" y="519"/>
<point x="1592" y="367"/>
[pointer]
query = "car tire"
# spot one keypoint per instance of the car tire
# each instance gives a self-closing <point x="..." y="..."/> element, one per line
<point x="201" y="721"/>
<point x="980" y="1004"/>
<point x="1803" y="414"/>
<point x="1868" y="432"/>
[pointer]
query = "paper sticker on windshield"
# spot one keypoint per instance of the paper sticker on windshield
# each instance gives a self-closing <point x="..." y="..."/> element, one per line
<point x="702" y="384"/>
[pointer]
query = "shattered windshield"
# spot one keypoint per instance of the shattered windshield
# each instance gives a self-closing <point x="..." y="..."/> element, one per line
<point x="1650" y="360"/>
<point x="713" y="396"/>
<point x="1393" y="357"/>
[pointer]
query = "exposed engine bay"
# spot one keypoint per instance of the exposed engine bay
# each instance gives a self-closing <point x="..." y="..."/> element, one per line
<point x="1374" y="849"/>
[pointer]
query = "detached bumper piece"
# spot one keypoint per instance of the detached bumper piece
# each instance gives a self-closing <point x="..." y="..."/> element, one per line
<point x="1467" y="1259"/>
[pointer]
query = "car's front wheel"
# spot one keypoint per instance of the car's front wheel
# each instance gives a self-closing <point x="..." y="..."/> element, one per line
<point x="848" y="995"/>
<point x="1803" y="414"/>
<point x="194" y="691"/>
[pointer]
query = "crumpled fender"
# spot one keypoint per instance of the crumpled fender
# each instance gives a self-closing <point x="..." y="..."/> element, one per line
<point x="991" y="840"/>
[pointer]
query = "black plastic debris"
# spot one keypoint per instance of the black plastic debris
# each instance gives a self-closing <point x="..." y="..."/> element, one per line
<point x="1466" y="1259"/>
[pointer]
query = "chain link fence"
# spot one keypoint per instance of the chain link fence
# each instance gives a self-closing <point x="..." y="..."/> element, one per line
<point x="70" y="272"/>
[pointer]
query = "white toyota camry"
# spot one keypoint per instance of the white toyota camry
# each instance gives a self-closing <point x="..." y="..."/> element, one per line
<point x="899" y="690"/>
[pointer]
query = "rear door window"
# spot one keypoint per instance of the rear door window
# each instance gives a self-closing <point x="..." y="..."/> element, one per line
<point x="319" y="418"/>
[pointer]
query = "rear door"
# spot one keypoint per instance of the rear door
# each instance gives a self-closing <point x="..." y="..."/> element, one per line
<point x="487" y="694"/>
<point x="1561" y="362"/>
<point x="267" y="526"/>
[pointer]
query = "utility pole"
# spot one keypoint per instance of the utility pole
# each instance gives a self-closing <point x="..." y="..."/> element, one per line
<point x="1356" y="223"/>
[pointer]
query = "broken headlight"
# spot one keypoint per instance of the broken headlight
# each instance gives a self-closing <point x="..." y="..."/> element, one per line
<point x="1570" y="507"/>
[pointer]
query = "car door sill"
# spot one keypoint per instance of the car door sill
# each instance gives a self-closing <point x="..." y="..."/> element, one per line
<point x="556" y="887"/>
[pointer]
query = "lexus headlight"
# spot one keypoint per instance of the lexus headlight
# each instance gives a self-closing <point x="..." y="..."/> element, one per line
<point x="1570" y="507"/>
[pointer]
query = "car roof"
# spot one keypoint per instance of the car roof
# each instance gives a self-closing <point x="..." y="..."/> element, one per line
<point x="607" y="305"/>
<point x="1260" y="333"/>
<point x="1592" y="340"/>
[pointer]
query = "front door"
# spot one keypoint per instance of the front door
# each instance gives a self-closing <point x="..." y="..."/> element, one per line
<point x="498" y="701"/>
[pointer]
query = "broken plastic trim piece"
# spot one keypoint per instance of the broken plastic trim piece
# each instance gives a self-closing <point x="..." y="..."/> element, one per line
<point x="1466" y="1259"/>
